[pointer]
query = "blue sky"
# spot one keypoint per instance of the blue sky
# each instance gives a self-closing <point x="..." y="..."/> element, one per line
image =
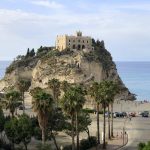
<point x="124" y="25"/>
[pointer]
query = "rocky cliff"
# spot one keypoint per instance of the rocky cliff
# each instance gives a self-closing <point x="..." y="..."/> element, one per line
<point x="73" y="66"/>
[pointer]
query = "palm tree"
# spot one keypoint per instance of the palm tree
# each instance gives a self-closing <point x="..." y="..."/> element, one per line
<point x="54" y="85"/>
<point x="80" y="100"/>
<point x="12" y="101"/>
<point x="108" y="105"/>
<point x="114" y="91"/>
<point x="23" y="85"/>
<point x="72" y="102"/>
<point x="65" y="86"/>
<point x="42" y="103"/>
<point x="94" y="92"/>
<point x="105" y="89"/>
<point x="109" y="101"/>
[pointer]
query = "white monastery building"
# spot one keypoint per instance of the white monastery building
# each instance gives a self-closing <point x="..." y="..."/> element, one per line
<point x="76" y="41"/>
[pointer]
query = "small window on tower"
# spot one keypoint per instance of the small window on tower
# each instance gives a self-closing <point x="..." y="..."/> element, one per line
<point x="87" y="41"/>
<point x="69" y="40"/>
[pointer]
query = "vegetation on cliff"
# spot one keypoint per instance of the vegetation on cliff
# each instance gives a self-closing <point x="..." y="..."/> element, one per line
<point x="100" y="54"/>
<point x="44" y="53"/>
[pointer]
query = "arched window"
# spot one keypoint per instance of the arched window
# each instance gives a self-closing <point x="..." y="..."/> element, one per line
<point x="83" y="46"/>
<point x="74" y="46"/>
<point x="79" y="47"/>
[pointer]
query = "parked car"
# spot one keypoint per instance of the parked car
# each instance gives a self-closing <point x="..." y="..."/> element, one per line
<point x="114" y="114"/>
<point x="145" y="114"/>
<point x="106" y="114"/>
<point x="124" y="114"/>
<point x="132" y="114"/>
<point x="119" y="114"/>
<point x="140" y="113"/>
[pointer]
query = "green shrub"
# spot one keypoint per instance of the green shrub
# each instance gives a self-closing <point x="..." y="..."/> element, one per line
<point x="93" y="141"/>
<point x="67" y="147"/>
<point x="85" y="144"/>
<point x="4" y="146"/>
<point x="9" y="69"/>
<point x="87" y="110"/>
<point x="88" y="143"/>
<point x="44" y="147"/>
<point x="141" y="146"/>
<point x="37" y="133"/>
<point x="144" y="146"/>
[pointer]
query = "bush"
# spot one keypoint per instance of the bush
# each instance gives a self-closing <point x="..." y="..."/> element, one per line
<point x="37" y="133"/>
<point x="144" y="146"/>
<point x="10" y="69"/>
<point x="141" y="146"/>
<point x="88" y="143"/>
<point x="87" y="110"/>
<point x="67" y="147"/>
<point x="93" y="141"/>
<point x="4" y="146"/>
<point x="85" y="144"/>
<point x="44" y="147"/>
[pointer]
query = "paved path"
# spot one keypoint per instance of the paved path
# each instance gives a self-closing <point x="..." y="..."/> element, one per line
<point x="138" y="130"/>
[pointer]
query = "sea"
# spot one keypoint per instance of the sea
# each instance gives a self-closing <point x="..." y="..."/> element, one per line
<point x="135" y="75"/>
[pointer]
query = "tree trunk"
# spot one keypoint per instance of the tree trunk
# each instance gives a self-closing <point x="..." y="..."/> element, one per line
<point x="112" y="120"/>
<point x="23" y="103"/>
<point x="77" y="131"/>
<point x="12" y="114"/>
<point x="109" y="136"/>
<point x="55" y="141"/>
<point x="72" y="122"/>
<point x="43" y="136"/>
<point x="104" y="129"/>
<point x="88" y="132"/>
<point x="98" y="131"/>
<point x="55" y="99"/>
<point x="25" y="145"/>
<point x="13" y="145"/>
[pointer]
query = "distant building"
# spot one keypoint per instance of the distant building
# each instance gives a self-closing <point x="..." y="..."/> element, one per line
<point x="77" y="41"/>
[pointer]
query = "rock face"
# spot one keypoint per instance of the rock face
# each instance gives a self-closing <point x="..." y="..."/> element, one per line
<point x="72" y="66"/>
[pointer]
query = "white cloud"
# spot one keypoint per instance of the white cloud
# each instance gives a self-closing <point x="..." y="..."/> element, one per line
<point x="122" y="31"/>
<point x="46" y="3"/>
